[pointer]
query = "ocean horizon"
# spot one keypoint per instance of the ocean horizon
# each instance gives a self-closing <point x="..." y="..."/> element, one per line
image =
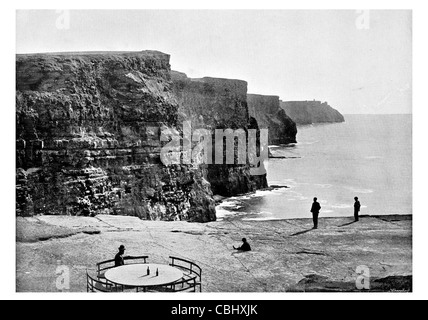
<point x="368" y="156"/>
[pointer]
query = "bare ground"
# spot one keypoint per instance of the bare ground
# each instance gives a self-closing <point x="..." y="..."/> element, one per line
<point x="287" y="255"/>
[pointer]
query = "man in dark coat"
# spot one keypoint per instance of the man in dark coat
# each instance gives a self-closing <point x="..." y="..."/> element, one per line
<point x="119" y="258"/>
<point x="245" y="246"/>
<point x="357" y="207"/>
<point x="316" y="207"/>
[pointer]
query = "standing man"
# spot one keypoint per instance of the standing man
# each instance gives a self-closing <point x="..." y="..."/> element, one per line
<point x="357" y="207"/>
<point x="316" y="207"/>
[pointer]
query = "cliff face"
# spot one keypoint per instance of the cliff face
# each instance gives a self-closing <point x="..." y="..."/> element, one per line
<point x="266" y="110"/>
<point x="214" y="103"/>
<point x="308" y="112"/>
<point x="88" y="138"/>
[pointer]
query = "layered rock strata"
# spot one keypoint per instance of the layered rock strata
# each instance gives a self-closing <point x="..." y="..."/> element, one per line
<point x="269" y="115"/>
<point x="87" y="130"/>
<point x="214" y="103"/>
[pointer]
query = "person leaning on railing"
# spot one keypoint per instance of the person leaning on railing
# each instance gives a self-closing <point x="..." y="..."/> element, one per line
<point x="119" y="258"/>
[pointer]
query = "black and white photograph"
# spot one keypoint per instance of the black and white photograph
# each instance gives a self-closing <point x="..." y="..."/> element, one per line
<point x="159" y="152"/>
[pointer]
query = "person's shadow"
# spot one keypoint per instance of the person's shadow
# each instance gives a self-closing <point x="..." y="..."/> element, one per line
<point x="347" y="224"/>
<point x="301" y="232"/>
<point x="237" y="253"/>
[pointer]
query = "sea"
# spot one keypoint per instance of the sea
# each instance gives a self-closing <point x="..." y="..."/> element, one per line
<point x="367" y="156"/>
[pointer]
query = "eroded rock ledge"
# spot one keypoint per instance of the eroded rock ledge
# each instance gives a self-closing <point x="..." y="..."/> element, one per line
<point x="287" y="255"/>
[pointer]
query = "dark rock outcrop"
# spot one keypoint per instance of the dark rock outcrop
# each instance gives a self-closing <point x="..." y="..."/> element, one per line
<point x="269" y="115"/>
<point x="308" y="112"/>
<point x="318" y="283"/>
<point x="214" y="103"/>
<point x="88" y="138"/>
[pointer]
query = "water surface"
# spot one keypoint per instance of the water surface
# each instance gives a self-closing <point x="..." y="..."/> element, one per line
<point x="369" y="156"/>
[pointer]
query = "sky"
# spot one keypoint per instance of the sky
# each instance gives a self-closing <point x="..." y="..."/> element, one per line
<point x="360" y="62"/>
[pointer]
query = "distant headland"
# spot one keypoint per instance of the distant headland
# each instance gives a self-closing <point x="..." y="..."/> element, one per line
<point x="309" y="112"/>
